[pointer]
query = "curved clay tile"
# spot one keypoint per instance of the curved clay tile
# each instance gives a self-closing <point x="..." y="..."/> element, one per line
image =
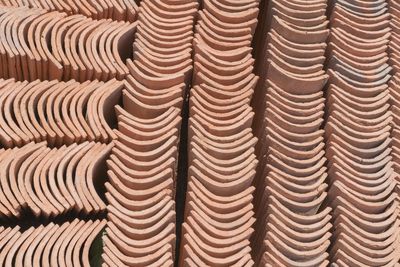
<point x="44" y="110"/>
<point x="42" y="243"/>
<point x="295" y="254"/>
<point x="116" y="236"/>
<point x="42" y="187"/>
<point x="75" y="243"/>
<point x="161" y="65"/>
<point x="12" y="39"/>
<point x="109" y="256"/>
<point x="224" y="188"/>
<point x="52" y="189"/>
<point x="150" y="94"/>
<point x="71" y="41"/>
<point x="130" y="131"/>
<point x="239" y="125"/>
<point x="212" y="240"/>
<point x="147" y="125"/>
<point x="278" y="257"/>
<point x="61" y="113"/>
<point x="203" y="102"/>
<point x="10" y="205"/>
<point x="137" y="194"/>
<point x="149" y="175"/>
<point x="144" y="183"/>
<point x="146" y="145"/>
<point x="158" y="31"/>
<point x="34" y="198"/>
<point x="11" y="249"/>
<point x="63" y="243"/>
<point x="33" y="109"/>
<point x="13" y="114"/>
<point x="11" y="235"/>
<point x="144" y="260"/>
<point x="30" y="247"/>
<point x="81" y="51"/>
<point x="171" y="11"/>
<point x="19" y="112"/>
<point x="119" y="48"/>
<point x="148" y="80"/>
<point x="145" y="160"/>
<point x="114" y="198"/>
<point x="83" y="60"/>
<point x="223" y="211"/>
<point x="145" y="222"/>
<point x="58" y="34"/>
<point x="35" y="46"/>
<point x="20" y="45"/>
<point x="52" y="244"/>
<point x="8" y="47"/>
<point x="223" y="79"/>
<point x="79" y="104"/>
<point x="26" y="111"/>
<point x="104" y="44"/>
<point x="94" y="172"/>
<point x="106" y="103"/>
<point x="142" y="233"/>
<point x="131" y="103"/>
<point x="222" y="152"/>
<point x="127" y="249"/>
<point x="90" y="47"/>
<point x="21" y="175"/>
<point x="67" y="172"/>
<point x="10" y="137"/>
<point x="88" y="242"/>
<point x="217" y="253"/>
<point x="79" y="178"/>
<point x="54" y="68"/>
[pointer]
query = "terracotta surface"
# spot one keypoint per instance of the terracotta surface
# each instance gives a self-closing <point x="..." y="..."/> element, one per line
<point x="143" y="163"/>
<point x="42" y="44"/>
<point x="218" y="213"/>
<point x="67" y="243"/>
<point x="199" y="133"/>
<point x="363" y="192"/>
<point x="49" y="182"/>
<point x="62" y="117"/>
<point x="96" y="9"/>
<point x="293" y="225"/>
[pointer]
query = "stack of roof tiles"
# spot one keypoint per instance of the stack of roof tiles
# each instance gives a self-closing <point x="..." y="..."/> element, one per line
<point x="394" y="84"/>
<point x="219" y="213"/>
<point x="362" y="193"/>
<point x="36" y="44"/>
<point x="57" y="112"/>
<point x="143" y="163"/>
<point x="65" y="244"/>
<point x="49" y="182"/>
<point x="293" y="224"/>
<point x="56" y="136"/>
<point x="293" y="155"/>
<point x="96" y="9"/>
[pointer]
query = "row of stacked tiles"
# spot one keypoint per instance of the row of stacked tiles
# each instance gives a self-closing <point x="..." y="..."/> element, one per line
<point x="293" y="224"/>
<point x="219" y="214"/>
<point x="57" y="112"/>
<point x="143" y="163"/>
<point x="66" y="244"/>
<point x="36" y="44"/>
<point x="361" y="174"/>
<point x="394" y="84"/>
<point x="96" y="9"/>
<point x="46" y="182"/>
